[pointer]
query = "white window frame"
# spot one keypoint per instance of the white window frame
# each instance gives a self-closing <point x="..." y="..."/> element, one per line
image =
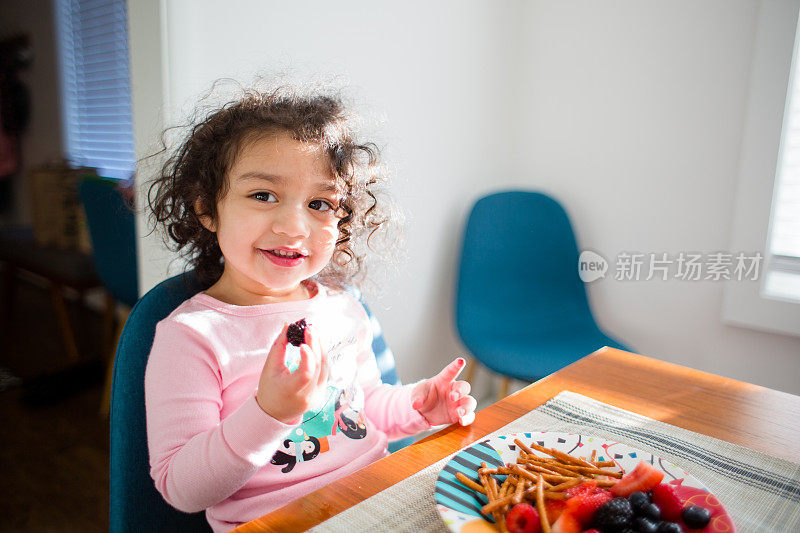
<point x="745" y="302"/>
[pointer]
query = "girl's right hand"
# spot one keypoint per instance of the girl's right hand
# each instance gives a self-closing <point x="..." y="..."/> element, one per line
<point x="285" y="395"/>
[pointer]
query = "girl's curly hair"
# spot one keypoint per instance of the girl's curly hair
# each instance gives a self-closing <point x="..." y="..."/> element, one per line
<point x="196" y="174"/>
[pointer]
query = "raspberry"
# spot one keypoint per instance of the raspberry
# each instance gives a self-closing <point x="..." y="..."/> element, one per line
<point x="523" y="518"/>
<point x="296" y="334"/>
<point x="584" y="506"/>
<point x="666" y="497"/>
<point x="554" y="508"/>
<point x="614" y="515"/>
<point x="587" y="487"/>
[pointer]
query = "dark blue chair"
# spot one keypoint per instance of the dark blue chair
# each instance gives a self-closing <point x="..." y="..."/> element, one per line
<point x="135" y="504"/>
<point x="521" y="308"/>
<point x="113" y="232"/>
<point x="112" y="229"/>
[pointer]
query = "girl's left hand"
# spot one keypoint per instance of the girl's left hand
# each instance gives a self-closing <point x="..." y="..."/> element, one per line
<point x="443" y="400"/>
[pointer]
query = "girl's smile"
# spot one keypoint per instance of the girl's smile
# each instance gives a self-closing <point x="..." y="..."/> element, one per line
<point x="276" y="224"/>
<point x="284" y="257"/>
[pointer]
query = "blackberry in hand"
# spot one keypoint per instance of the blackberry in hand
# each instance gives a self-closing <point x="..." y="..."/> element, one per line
<point x="696" y="517"/>
<point x="296" y="334"/>
<point x="614" y="515"/>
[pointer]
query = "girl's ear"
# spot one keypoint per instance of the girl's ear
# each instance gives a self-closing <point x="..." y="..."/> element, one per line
<point x="205" y="219"/>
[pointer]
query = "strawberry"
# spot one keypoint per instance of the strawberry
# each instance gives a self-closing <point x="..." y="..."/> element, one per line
<point x="554" y="508"/>
<point x="642" y="478"/>
<point x="566" y="523"/>
<point x="523" y="518"/>
<point x="666" y="497"/>
<point x="587" y="487"/>
<point x="583" y="506"/>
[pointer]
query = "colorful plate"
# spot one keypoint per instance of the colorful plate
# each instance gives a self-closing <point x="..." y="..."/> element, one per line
<point x="460" y="507"/>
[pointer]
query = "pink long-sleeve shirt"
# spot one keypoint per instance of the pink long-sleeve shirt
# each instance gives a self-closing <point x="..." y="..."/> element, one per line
<point x="211" y="445"/>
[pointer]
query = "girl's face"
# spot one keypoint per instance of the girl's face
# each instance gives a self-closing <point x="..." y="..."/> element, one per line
<point x="276" y="224"/>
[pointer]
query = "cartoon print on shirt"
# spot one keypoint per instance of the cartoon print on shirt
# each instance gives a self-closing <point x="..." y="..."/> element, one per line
<point x="297" y="452"/>
<point x="339" y="409"/>
<point x="347" y="419"/>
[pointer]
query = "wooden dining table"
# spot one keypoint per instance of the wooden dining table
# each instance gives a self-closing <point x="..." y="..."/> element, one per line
<point x="749" y="415"/>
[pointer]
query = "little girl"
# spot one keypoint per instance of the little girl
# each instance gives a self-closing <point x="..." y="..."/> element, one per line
<point x="270" y="195"/>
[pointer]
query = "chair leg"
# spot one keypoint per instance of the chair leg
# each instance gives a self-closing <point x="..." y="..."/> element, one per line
<point x="105" y="403"/>
<point x="505" y="382"/>
<point x="63" y="319"/>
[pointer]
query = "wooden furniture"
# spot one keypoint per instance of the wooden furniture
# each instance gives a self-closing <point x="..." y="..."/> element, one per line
<point x="61" y="268"/>
<point x="749" y="415"/>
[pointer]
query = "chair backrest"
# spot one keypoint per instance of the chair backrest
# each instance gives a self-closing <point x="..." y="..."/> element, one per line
<point x="519" y="267"/>
<point x="112" y="230"/>
<point x="135" y="504"/>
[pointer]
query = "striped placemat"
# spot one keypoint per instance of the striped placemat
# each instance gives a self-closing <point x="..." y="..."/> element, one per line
<point x="759" y="491"/>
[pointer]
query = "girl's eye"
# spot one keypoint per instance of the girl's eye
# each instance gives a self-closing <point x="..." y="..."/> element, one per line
<point x="320" y="205"/>
<point x="264" y="197"/>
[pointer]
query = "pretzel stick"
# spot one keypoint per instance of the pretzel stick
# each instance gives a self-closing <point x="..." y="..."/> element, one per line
<point x="469" y="483"/>
<point x="552" y="469"/>
<point x="523" y="447"/>
<point x="547" y="477"/>
<point x="559" y="455"/>
<point x="593" y="458"/>
<point x="585" y="470"/>
<point x="505" y="491"/>
<point x="518" y="492"/>
<point x="565" y="485"/>
<point x="498" y="517"/>
<point x="540" y="505"/>
<point x="605" y="482"/>
<point x="527" y="493"/>
<point x="601" y="464"/>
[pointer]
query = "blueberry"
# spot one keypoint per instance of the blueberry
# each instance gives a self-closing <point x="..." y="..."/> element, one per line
<point x="669" y="527"/>
<point x="638" y="500"/>
<point x="651" y="512"/>
<point x="643" y="525"/>
<point x="696" y="517"/>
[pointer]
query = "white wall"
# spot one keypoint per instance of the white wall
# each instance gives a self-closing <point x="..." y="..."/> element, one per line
<point x="633" y="118"/>
<point x="628" y="112"/>
<point x="42" y="140"/>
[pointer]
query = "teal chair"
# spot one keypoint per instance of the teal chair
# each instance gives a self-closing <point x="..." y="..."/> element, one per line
<point x="521" y="308"/>
<point x="135" y="504"/>
<point x="112" y="229"/>
<point x="113" y="232"/>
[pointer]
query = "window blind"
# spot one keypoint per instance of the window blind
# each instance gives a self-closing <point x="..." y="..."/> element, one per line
<point x="784" y="240"/>
<point x="96" y="95"/>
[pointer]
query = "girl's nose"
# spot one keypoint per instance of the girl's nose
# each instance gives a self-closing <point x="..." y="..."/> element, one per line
<point x="291" y="222"/>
